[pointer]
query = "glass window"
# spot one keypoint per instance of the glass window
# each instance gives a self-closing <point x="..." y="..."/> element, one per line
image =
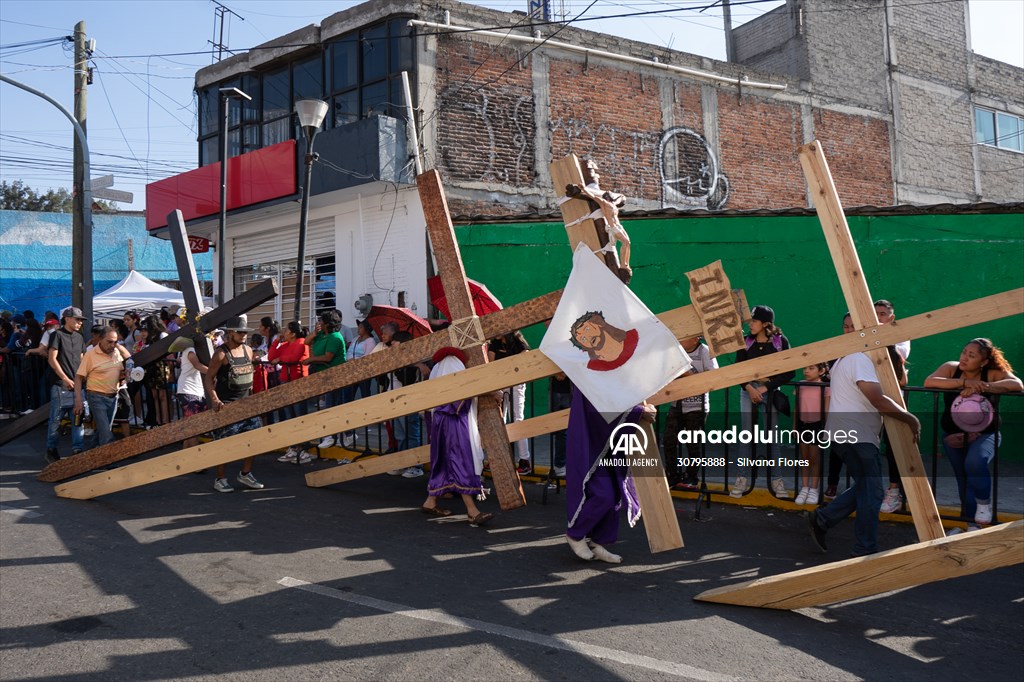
<point x="276" y="95"/>
<point x="251" y="108"/>
<point x="307" y="79"/>
<point x="208" y="123"/>
<point x="375" y="52"/>
<point x="375" y="99"/>
<point x="250" y="138"/>
<point x="209" y="151"/>
<point x="275" y="132"/>
<point x="346" y="108"/>
<point x="401" y="46"/>
<point x="986" y="125"/>
<point x="345" y="63"/>
<point x="1008" y="131"/>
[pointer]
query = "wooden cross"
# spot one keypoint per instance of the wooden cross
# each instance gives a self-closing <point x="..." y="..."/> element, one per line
<point x="493" y="437"/>
<point x="188" y="281"/>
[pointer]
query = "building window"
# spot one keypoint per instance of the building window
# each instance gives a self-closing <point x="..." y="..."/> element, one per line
<point x="999" y="129"/>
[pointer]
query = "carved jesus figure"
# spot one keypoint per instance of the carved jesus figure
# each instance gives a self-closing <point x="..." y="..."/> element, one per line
<point x="609" y="204"/>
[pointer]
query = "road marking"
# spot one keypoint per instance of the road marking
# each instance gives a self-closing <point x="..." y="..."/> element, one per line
<point x="27" y="513"/>
<point x="389" y="510"/>
<point x="554" y="642"/>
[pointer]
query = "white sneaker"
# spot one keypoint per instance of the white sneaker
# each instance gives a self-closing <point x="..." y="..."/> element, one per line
<point x="327" y="442"/>
<point x="344" y="460"/>
<point x="559" y="472"/>
<point x="289" y="455"/>
<point x="221" y="485"/>
<point x="396" y="472"/>
<point x="580" y="549"/>
<point x="779" y="488"/>
<point x="348" y="440"/>
<point x="604" y="555"/>
<point x="305" y="457"/>
<point x="801" y="497"/>
<point x="249" y="481"/>
<point x="812" y="496"/>
<point x="892" y="501"/>
<point x="739" y="487"/>
<point x="983" y="516"/>
<point x="412" y="472"/>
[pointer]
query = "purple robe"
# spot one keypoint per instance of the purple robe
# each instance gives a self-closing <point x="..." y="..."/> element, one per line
<point x="451" y="455"/>
<point x="595" y="494"/>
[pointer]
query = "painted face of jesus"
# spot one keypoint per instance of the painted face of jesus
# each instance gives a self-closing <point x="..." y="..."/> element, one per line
<point x="590" y="335"/>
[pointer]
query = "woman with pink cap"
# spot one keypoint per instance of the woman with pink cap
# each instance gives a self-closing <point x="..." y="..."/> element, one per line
<point x="968" y="421"/>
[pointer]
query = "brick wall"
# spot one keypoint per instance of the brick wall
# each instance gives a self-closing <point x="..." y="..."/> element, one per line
<point x="857" y="150"/>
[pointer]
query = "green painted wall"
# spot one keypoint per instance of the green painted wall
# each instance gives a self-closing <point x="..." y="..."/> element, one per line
<point x="920" y="263"/>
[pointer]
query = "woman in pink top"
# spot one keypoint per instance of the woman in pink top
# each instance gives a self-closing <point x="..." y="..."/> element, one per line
<point x="811" y="406"/>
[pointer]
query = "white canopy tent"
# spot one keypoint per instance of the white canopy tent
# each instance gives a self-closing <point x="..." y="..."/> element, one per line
<point x="137" y="292"/>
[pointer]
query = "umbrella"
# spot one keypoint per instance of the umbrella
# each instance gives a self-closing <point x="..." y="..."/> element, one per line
<point x="407" y="320"/>
<point x="484" y="301"/>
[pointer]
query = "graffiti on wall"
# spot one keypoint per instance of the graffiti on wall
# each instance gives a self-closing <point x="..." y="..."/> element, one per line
<point x="690" y="175"/>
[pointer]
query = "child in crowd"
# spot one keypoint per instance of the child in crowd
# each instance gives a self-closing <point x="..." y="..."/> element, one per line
<point x="811" y="406"/>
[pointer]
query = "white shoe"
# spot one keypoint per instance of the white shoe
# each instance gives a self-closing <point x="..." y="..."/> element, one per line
<point x="348" y="441"/>
<point x="559" y="472"/>
<point x="892" y="501"/>
<point x="604" y="555"/>
<point x="739" y="487"/>
<point x="305" y="457"/>
<point x="779" y="488"/>
<point x="801" y="497"/>
<point x="249" y="481"/>
<point x="221" y="485"/>
<point x="983" y="516"/>
<point x="396" y="472"/>
<point x="412" y="472"/>
<point x="327" y="442"/>
<point x="290" y="455"/>
<point x="812" y="496"/>
<point x="344" y="460"/>
<point x="580" y="548"/>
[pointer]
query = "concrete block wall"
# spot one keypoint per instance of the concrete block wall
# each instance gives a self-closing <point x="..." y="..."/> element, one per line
<point x="846" y="52"/>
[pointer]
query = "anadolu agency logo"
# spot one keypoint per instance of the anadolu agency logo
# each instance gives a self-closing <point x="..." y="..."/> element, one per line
<point x="627" y="440"/>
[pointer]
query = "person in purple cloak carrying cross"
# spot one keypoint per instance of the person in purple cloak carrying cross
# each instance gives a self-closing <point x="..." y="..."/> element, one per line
<point x="595" y="492"/>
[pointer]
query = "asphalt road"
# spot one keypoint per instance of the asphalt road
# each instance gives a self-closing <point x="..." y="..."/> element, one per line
<point x="176" y="581"/>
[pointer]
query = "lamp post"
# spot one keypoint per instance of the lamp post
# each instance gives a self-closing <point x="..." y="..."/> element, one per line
<point x="225" y="95"/>
<point x="311" y="114"/>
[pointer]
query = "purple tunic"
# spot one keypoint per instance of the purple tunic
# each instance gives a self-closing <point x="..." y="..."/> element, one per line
<point x="451" y="455"/>
<point x="595" y="494"/>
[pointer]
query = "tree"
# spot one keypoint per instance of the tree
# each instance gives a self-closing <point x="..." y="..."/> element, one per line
<point x="17" y="196"/>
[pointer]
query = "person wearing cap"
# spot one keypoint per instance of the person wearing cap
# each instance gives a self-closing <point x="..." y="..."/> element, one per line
<point x="854" y="424"/>
<point x="968" y="421"/>
<point x="758" y="397"/>
<point x="63" y="358"/>
<point x="227" y="379"/>
<point x="100" y="374"/>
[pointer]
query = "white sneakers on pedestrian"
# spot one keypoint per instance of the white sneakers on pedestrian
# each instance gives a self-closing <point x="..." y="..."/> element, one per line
<point x="348" y="440"/>
<point x="892" y="501"/>
<point x="801" y="497"/>
<point x="221" y="485"/>
<point x="305" y="457"/>
<point x="290" y="455"/>
<point x="779" y="488"/>
<point x="813" y="496"/>
<point x="327" y="442"/>
<point x="739" y="487"/>
<point x="983" y="516"/>
<point x="580" y="548"/>
<point x="413" y="472"/>
<point x="248" y="480"/>
<point x="559" y="472"/>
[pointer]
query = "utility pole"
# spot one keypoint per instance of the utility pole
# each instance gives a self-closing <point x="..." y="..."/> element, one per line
<point x="81" y="230"/>
<point x="730" y="47"/>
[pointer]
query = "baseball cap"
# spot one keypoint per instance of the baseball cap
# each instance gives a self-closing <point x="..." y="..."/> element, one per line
<point x="72" y="311"/>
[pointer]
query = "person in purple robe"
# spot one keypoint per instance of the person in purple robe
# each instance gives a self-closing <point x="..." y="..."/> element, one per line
<point x="456" y="456"/>
<point x="596" y="493"/>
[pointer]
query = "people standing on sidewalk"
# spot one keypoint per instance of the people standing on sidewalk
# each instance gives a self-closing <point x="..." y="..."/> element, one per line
<point x="63" y="358"/>
<point x="854" y="424"/>
<point x="758" y="398"/>
<point x="969" y="424"/>
<point x="100" y="374"/>
<point x="514" y="397"/>
<point x="229" y="378"/>
<point x="288" y="351"/>
<point x="893" y="500"/>
<point x="811" y="408"/>
<point x="688" y="414"/>
<point x="327" y="349"/>
<point x="190" y="393"/>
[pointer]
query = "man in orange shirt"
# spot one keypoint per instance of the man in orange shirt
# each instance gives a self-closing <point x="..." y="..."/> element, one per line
<point x="100" y="373"/>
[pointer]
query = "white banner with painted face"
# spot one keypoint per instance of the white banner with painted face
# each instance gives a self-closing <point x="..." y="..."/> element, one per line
<point x="608" y="342"/>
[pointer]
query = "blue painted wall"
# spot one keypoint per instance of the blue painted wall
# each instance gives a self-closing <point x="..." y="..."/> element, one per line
<point x="35" y="257"/>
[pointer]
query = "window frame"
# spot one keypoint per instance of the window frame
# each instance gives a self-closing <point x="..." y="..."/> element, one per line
<point x="1000" y="138"/>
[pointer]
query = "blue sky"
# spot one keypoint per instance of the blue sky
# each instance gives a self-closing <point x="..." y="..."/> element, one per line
<point x="142" y="113"/>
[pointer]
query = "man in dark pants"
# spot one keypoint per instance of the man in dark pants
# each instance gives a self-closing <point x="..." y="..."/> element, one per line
<point x="63" y="356"/>
<point x="854" y="424"/>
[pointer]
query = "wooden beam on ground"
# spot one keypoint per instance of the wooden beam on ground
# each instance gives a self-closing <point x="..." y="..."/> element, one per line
<point x="528" y="367"/>
<point x="920" y="499"/>
<point x="917" y="564"/>
<point x="25" y="423"/>
<point x="490" y="420"/>
<point x="660" y="520"/>
<point x="316" y="384"/>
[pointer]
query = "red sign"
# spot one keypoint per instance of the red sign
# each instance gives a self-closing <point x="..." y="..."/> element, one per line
<point x="198" y="244"/>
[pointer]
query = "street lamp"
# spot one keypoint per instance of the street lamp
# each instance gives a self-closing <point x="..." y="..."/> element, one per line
<point x="311" y="114"/>
<point x="225" y="95"/>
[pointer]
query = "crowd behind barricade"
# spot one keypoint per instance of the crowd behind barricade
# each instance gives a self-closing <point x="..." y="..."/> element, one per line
<point x="94" y="392"/>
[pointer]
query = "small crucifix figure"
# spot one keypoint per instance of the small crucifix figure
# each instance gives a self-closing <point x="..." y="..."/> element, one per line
<point x="607" y="206"/>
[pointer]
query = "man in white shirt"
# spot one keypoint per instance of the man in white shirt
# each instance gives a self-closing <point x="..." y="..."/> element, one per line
<point x="854" y="424"/>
